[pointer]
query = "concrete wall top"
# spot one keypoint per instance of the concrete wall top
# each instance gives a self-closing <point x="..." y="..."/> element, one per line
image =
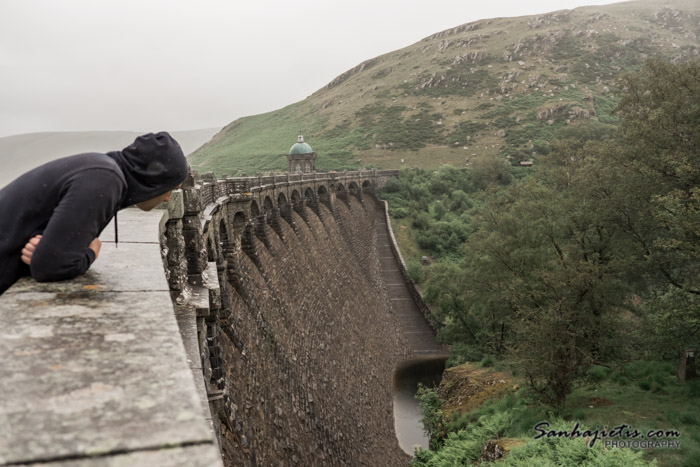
<point x="93" y="371"/>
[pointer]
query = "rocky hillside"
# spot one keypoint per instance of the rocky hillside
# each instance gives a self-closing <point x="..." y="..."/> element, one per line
<point x="499" y="87"/>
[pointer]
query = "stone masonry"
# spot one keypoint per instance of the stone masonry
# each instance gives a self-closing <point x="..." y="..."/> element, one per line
<point x="297" y="335"/>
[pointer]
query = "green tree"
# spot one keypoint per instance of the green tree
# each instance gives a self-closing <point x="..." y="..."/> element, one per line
<point x="542" y="274"/>
<point x="658" y="160"/>
<point x="488" y="170"/>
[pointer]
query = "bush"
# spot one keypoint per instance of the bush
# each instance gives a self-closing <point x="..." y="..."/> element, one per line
<point x="464" y="446"/>
<point x="414" y="270"/>
<point x="439" y="210"/>
<point x="459" y="201"/>
<point x="487" y="361"/>
<point x="430" y="407"/>
<point x="438" y="186"/>
<point x="421" y="221"/>
<point x="393" y="185"/>
<point x="566" y="451"/>
<point x="399" y="213"/>
<point x="443" y="237"/>
<point x="597" y="374"/>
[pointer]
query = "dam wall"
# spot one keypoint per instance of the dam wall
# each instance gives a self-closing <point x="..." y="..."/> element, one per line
<point x="298" y="337"/>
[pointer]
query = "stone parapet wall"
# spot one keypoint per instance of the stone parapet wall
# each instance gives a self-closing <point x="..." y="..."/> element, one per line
<point x="212" y="189"/>
<point x="93" y="371"/>
<point x="296" y="335"/>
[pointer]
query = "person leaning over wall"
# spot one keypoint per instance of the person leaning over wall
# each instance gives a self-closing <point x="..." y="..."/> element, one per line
<point x="51" y="216"/>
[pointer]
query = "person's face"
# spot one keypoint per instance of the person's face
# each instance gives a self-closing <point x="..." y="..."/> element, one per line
<point x="153" y="202"/>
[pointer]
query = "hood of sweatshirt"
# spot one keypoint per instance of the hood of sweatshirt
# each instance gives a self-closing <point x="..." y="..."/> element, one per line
<point x="152" y="165"/>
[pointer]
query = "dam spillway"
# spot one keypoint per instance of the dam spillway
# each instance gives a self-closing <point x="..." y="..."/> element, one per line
<point x="406" y="302"/>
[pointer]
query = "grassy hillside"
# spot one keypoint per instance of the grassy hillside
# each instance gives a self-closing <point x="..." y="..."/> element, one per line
<point x="498" y="87"/>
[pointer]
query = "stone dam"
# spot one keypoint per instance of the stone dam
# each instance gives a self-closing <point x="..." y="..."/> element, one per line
<point x="294" y="310"/>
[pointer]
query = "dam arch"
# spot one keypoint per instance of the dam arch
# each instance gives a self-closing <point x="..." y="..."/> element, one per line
<point x="325" y="197"/>
<point x="254" y="210"/>
<point x="238" y="220"/>
<point x="355" y="191"/>
<point x="310" y="200"/>
<point x="269" y="211"/>
<point x="284" y="208"/>
<point x="341" y="193"/>
<point x="297" y="201"/>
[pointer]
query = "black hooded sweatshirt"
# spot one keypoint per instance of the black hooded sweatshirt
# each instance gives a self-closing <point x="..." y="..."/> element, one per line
<point x="70" y="201"/>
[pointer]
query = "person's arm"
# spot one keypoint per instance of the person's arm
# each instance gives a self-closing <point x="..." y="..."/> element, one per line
<point x="28" y="250"/>
<point x="86" y="206"/>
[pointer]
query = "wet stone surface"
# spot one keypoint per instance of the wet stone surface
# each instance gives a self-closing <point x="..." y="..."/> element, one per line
<point x="118" y="269"/>
<point x="190" y="456"/>
<point x="96" y="366"/>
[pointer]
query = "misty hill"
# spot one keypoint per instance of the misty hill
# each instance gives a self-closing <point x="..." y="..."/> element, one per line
<point x="499" y="87"/>
<point x="19" y="153"/>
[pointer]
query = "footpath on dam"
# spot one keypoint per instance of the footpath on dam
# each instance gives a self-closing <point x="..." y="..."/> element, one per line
<point x="93" y="371"/>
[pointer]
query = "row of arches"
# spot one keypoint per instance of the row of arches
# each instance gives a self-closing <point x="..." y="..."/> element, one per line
<point x="234" y="225"/>
<point x="310" y="198"/>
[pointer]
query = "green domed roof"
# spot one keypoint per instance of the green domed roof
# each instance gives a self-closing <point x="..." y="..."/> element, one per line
<point x="300" y="147"/>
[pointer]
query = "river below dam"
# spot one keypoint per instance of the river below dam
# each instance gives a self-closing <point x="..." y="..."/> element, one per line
<point x="407" y="420"/>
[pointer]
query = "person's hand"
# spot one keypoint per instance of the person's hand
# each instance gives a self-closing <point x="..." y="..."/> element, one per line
<point x="29" y="248"/>
<point x="95" y="246"/>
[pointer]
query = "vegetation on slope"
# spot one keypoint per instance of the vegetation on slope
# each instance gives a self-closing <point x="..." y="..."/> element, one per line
<point x="645" y="396"/>
<point x="588" y="264"/>
<point x="500" y="88"/>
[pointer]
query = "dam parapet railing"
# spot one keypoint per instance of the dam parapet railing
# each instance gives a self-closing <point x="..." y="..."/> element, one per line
<point x="213" y="188"/>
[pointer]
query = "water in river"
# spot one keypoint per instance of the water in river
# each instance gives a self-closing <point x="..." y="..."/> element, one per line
<point x="407" y="375"/>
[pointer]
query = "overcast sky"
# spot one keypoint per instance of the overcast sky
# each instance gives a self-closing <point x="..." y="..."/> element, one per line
<point x="148" y="65"/>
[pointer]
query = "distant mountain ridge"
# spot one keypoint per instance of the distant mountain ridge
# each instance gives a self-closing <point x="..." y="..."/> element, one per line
<point x="19" y="153"/>
<point x="500" y="87"/>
